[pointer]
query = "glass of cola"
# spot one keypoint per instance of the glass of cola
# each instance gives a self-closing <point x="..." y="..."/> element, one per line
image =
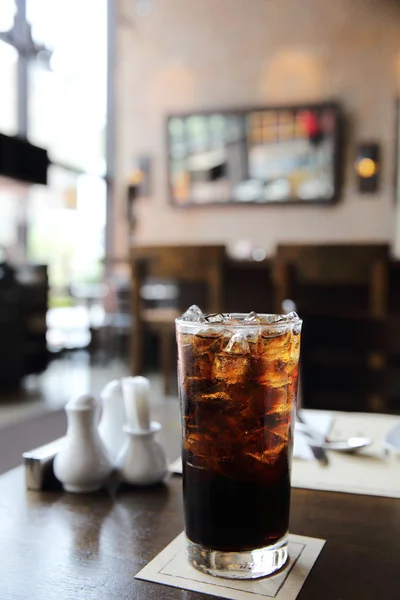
<point x="237" y="377"/>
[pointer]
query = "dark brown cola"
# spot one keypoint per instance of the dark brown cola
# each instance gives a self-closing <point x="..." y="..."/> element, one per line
<point x="237" y="391"/>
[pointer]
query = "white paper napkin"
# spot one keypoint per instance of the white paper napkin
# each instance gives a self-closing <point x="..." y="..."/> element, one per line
<point x="319" y="420"/>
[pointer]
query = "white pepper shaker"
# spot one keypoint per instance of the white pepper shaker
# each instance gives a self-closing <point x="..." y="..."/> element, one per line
<point x="82" y="464"/>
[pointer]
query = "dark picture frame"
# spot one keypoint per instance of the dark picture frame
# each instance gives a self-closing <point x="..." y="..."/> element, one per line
<point x="257" y="156"/>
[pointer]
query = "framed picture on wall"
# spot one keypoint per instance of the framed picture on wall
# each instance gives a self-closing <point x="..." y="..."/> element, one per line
<point x="268" y="155"/>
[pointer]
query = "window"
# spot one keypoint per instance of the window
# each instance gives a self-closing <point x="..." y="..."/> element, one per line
<point x="67" y="116"/>
<point x="53" y="81"/>
<point x="67" y="92"/>
<point x="7" y="14"/>
<point x="66" y="226"/>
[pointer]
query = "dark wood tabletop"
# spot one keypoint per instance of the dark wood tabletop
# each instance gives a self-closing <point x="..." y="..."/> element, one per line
<point x="66" y="546"/>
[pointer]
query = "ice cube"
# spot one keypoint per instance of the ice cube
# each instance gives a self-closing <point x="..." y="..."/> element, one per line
<point x="207" y="339"/>
<point x="198" y="445"/>
<point x="274" y="373"/>
<point x="232" y="365"/>
<point x="252" y="336"/>
<point x="231" y="321"/>
<point x="275" y="359"/>
<point x="216" y="318"/>
<point x="275" y="341"/>
<point x="294" y="352"/>
<point x="265" y="446"/>
<point x="193" y="315"/>
<point x="297" y="328"/>
<point x="209" y="333"/>
<point x="269" y="456"/>
<point x="276" y="318"/>
<point x="292" y="316"/>
<point x="238" y="344"/>
<point x="274" y="332"/>
<point x="194" y="362"/>
<point x="252" y="317"/>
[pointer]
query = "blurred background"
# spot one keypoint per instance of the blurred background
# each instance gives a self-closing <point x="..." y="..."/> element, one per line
<point x="235" y="154"/>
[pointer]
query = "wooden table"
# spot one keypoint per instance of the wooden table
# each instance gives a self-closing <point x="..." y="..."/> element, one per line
<point x="64" y="546"/>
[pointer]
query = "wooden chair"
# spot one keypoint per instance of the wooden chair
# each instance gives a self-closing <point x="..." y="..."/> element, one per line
<point x="335" y="279"/>
<point x="351" y="363"/>
<point x="187" y="265"/>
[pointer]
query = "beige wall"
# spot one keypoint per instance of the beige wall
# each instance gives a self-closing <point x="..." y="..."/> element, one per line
<point x="196" y="54"/>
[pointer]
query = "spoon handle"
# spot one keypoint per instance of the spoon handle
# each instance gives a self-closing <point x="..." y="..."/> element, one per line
<point x="319" y="453"/>
<point x="310" y="432"/>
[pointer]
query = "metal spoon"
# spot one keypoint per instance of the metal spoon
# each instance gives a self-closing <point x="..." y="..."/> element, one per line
<point x="352" y="444"/>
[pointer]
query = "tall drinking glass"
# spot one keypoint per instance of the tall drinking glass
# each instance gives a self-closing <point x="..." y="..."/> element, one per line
<point x="237" y="383"/>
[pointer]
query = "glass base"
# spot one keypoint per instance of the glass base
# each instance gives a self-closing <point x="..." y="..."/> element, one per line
<point x="250" y="564"/>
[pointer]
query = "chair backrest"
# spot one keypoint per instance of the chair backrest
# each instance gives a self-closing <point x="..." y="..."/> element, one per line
<point x="346" y="277"/>
<point x="351" y="363"/>
<point x="184" y="264"/>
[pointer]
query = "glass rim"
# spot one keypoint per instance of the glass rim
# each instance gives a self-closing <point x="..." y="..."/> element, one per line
<point x="284" y="322"/>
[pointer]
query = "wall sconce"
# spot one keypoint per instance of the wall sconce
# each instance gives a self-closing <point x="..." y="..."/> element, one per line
<point x="367" y="167"/>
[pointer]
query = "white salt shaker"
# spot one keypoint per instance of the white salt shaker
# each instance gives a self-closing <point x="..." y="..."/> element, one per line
<point x="143" y="461"/>
<point x="82" y="464"/>
<point x="112" y="419"/>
